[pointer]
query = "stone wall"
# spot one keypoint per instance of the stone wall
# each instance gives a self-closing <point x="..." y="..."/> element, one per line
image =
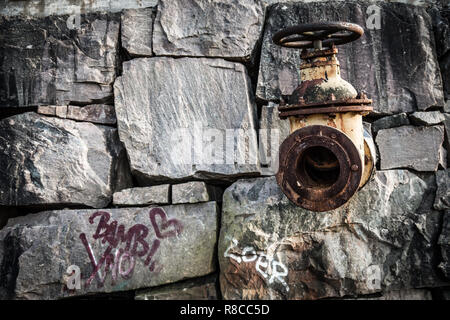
<point x="139" y="142"/>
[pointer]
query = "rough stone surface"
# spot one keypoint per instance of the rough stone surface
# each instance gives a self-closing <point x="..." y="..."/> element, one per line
<point x="195" y="191"/>
<point x="47" y="160"/>
<point x="427" y="118"/>
<point x="136" y="31"/>
<point x="43" y="61"/>
<point x="396" y="120"/>
<point x="395" y="87"/>
<point x="61" y="7"/>
<point x="186" y="235"/>
<point x="442" y="200"/>
<point x="203" y="289"/>
<point x="272" y="133"/>
<point x="228" y="29"/>
<point x="177" y="118"/>
<point x="95" y="113"/>
<point x="417" y="148"/>
<point x="444" y="242"/>
<point x="383" y="240"/>
<point x="142" y="196"/>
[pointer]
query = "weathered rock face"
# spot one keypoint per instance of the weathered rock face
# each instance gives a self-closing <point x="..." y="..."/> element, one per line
<point x="395" y="87"/>
<point x="142" y="196"/>
<point x="95" y="113"/>
<point x="186" y="118"/>
<point x="132" y="248"/>
<point x="228" y="29"/>
<point x="202" y="289"/>
<point x="381" y="241"/>
<point x="136" y="31"/>
<point x="442" y="200"/>
<point x="418" y="148"/>
<point x="58" y="59"/>
<point x="47" y="160"/>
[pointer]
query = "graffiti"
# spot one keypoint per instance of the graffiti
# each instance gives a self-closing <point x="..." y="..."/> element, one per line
<point x="265" y="265"/>
<point x="124" y="247"/>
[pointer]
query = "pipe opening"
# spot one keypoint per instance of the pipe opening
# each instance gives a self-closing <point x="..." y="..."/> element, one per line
<point x="318" y="167"/>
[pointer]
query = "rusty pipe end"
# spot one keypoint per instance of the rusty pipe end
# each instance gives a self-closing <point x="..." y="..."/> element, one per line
<point x="320" y="168"/>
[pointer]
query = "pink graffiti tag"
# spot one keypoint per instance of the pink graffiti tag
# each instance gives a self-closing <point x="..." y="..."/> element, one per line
<point x="165" y="224"/>
<point x="134" y="241"/>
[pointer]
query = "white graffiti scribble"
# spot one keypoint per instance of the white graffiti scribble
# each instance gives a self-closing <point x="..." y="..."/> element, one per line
<point x="265" y="265"/>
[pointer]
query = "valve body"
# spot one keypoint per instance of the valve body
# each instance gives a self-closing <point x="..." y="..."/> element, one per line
<point x="328" y="156"/>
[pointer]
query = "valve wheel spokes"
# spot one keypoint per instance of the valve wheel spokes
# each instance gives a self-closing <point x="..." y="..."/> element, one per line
<point x="328" y="33"/>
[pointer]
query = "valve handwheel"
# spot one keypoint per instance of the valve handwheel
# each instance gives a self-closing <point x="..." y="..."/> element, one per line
<point x="316" y="35"/>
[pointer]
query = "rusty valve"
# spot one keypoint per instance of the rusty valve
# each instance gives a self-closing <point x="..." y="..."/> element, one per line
<point x="328" y="156"/>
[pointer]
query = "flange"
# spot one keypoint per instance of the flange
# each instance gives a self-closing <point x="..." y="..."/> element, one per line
<point x="320" y="168"/>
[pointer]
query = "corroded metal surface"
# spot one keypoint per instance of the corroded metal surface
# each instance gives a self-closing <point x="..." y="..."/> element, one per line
<point x="329" y="33"/>
<point x="320" y="168"/>
<point x="298" y="111"/>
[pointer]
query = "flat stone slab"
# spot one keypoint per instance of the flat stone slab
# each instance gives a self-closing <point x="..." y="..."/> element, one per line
<point x="142" y="196"/>
<point x="95" y="113"/>
<point x="418" y="148"/>
<point x="195" y="191"/>
<point x="196" y="289"/>
<point x="112" y="250"/>
<point x="57" y="60"/>
<point x="394" y="89"/>
<point x="52" y="161"/>
<point x="187" y="118"/>
<point x="427" y="118"/>
<point x="396" y="120"/>
<point x="202" y="28"/>
<point x="384" y="239"/>
<point x="137" y="30"/>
